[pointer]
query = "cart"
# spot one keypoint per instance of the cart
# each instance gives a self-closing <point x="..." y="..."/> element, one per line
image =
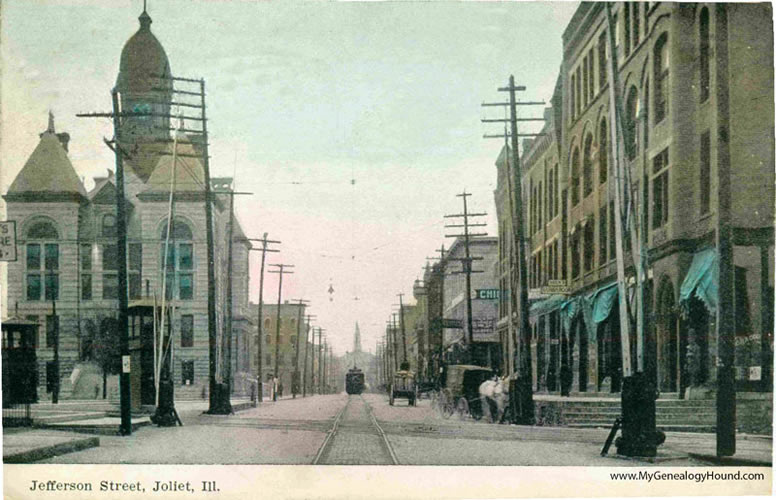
<point x="459" y="391"/>
<point x="403" y="386"/>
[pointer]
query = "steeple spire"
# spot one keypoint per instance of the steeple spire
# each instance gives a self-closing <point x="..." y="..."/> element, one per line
<point x="145" y="19"/>
<point x="50" y="128"/>
<point x="357" y="340"/>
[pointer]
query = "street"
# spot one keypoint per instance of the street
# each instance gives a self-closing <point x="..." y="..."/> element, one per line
<point x="339" y="429"/>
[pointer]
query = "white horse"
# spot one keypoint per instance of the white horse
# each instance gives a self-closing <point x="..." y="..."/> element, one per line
<point x="494" y="395"/>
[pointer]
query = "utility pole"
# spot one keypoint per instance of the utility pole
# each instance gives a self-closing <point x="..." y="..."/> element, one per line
<point x="227" y="337"/>
<point x="320" y="362"/>
<point x="306" y="357"/>
<point x="403" y="333"/>
<point x="264" y="249"/>
<point x="525" y="407"/>
<point x="395" y="342"/>
<point x="325" y="377"/>
<point x="466" y="262"/>
<point x="295" y="377"/>
<point x="281" y="270"/>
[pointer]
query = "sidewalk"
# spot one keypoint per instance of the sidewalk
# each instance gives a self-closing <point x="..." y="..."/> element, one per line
<point x="30" y="445"/>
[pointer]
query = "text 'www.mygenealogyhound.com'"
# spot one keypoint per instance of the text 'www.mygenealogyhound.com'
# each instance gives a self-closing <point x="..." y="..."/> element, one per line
<point x="698" y="477"/>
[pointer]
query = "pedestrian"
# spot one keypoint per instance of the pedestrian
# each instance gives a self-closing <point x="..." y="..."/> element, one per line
<point x="280" y="389"/>
<point x="274" y="388"/>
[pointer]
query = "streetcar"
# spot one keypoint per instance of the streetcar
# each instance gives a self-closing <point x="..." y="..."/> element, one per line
<point x="354" y="381"/>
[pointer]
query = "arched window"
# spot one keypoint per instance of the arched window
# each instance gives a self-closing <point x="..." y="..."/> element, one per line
<point x="587" y="165"/>
<point x="575" y="177"/>
<point x="179" y="260"/>
<point x="631" y="115"/>
<point x="42" y="261"/>
<point x="267" y="323"/>
<point x="703" y="56"/>
<point x="661" y="65"/>
<point x="108" y="226"/>
<point x="603" y="152"/>
<point x="293" y="323"/>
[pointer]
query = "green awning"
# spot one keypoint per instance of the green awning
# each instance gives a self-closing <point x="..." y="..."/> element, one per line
<point x="702" y="279"/>
<point x="603" y="300"/>
<point x="547" y="305"/>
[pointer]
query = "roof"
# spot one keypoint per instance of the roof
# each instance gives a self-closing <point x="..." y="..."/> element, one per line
<point x="48" y="169"/>
<point x="189" y="172"/>
<point x="142" y="58"/>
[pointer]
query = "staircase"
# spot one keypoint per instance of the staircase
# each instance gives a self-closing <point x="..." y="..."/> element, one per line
<point x="676" y="415"/>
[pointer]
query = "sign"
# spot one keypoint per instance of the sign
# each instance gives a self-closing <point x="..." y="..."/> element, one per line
<point x="8" y="240"/>
<point x="488" y="294"/>
<point x="536" y="294"/>
<point x="484" y="330"/>
<point x="755" y="373"/>
<point x="452" y="323"/>
<point x="556" y="287"/>
<point x="124" y="364"/>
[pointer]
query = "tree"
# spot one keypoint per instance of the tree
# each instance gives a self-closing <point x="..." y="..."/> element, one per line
<point x="106" y="350"/>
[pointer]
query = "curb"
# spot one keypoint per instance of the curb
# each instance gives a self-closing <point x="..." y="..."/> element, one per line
<point x="51" y="451"/>
<point x="731" y="461"/>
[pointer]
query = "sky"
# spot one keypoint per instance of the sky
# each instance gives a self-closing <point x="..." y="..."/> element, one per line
<point x="352" y="124"/>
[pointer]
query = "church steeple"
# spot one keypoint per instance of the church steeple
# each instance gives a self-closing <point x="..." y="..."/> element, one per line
<point x="357" y="340"/>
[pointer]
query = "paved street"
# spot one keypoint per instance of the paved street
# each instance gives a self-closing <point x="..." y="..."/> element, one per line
<point x="349" y="430"/>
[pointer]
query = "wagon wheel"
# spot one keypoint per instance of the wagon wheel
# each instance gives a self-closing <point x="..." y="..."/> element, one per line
<point x="462" y="408"/>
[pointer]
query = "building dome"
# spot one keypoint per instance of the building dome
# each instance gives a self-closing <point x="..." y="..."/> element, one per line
<point x="143" y="60"/>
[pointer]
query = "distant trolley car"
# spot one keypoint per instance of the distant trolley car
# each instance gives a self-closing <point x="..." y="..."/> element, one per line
<point x="354" y="381"/>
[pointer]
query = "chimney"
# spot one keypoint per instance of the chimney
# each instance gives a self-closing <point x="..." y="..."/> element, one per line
<point x="64" y="139"/>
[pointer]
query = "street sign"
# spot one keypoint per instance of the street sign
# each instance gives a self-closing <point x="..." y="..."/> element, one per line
<point x="452" y="323"/>
<point x="8" y="240"/>
<point x="556" y="287"/>
<point x="125" y="364"/>
<point x="488" y="294"/>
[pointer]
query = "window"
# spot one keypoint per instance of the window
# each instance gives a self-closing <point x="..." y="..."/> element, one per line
<point x="179" y="260"/>
<point x="602" y="236"/>
<point x="36" y="319"/>
<point x="135" y="270"/>
<point x="589" y="244"/>
<point x="573" y="97"/>
<point x="631" y="114"/>
<point x="187" y="372"/>
<point x="587" y="166"/>
<point x="603" y="153"/>
<point x="109" y="226"/>
<point x="187" y="330"/>
<point x="557" y="186"/>
<point x="585" y="91"/>
<point x="591" y="74"/>
<point x="575" y="178"/>
<point x="42" y="262"/>
<point x="52" y="330"/>
<point x="645" y="113"/>
<point x="602" y="60"/>
<point x="703" y="56"/>
<point x="540" y="208"/>
<point x="612" y="227"/>
<point x="636" y="24"/>
<point x="575" y="255"/>
<point x="579" y="90"/>
<point x="551" y="195"/>
<point x="627" y="28"/>
<point x="110" y="267"/>
<point x="661" y="78"/>
<point x="267" y="323"/>
<point x="705" y="185"/>
<point x="86" y="287"/>
<point x="660" y="189"/>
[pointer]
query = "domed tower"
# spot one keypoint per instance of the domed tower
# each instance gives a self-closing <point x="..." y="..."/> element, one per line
<point x="144" y="86"/>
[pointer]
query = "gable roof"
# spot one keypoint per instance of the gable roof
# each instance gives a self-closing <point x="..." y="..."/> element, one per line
<point x="189" y="172"/>
<point x="47" y="170"/>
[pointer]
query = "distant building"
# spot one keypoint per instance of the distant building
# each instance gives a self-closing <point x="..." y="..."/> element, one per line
<point x="292" y="324"/>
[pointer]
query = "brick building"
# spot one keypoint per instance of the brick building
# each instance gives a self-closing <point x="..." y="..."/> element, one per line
<point x="697" y="89"/>
<point x="291" y="325"/>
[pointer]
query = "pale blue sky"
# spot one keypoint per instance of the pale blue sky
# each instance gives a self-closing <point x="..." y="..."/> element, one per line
<point x="387" y="93"/>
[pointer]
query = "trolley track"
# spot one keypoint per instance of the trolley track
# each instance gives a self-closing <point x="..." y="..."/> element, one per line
<point x="356" y="438"/>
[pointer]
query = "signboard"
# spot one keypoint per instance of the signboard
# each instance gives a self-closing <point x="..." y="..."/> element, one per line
<point x="8" y="240"/>
<point x="124" y="364"/>
<point x="556" y="287"/>
<point x="488" y="294"/>
<point x="452" y="323"/>
<point x="484" y="330"/>
<point x="536" y="294"/>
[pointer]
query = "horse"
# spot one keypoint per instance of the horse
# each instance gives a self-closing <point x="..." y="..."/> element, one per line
<point x="494" y="398"/>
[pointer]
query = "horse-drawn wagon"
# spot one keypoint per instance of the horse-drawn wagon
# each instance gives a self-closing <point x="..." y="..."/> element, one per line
<point x="459" y="390"/>
<point x="403" y="386"/>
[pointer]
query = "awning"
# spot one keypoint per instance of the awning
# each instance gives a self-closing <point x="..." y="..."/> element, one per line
<point x="703" y="279"/>
<point x="603" y="300"/>
<point x="547" y="305"/>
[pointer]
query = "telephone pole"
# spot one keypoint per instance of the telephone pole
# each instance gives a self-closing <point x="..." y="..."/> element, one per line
<point x="295" y="377"/>
<point x="281" y="270"/>
<point x="320" y="361"/>
<point x="264" y="249"/>
<point x="466" y="262"/>
<point x="325" y="376"/>
<point x="524" y="396"/>
<point x="403" y="333"/>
